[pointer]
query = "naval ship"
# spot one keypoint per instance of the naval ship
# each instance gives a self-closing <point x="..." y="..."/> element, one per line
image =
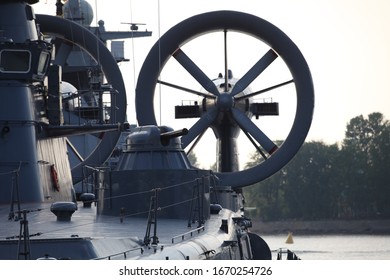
<point x="77" y="182"/>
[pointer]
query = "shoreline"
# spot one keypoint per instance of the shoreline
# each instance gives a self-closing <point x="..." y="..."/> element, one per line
<point x="378" y="227"/>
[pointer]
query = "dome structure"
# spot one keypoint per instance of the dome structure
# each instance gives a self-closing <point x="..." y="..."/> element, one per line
<point x="78" y="10"/>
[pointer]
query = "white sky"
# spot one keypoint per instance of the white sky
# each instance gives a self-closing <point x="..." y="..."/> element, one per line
<point x="345" y="42"/>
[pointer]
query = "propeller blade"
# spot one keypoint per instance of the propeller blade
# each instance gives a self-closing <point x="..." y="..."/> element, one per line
<point x="254" y="72"/>
<point x="264" y="90"/>
<point x="226" y="62"/>
<point x="199" y="127"/>
<point x="187" y="89"/>
<point x="195" y="72"/>
<point x="247" y="125"/>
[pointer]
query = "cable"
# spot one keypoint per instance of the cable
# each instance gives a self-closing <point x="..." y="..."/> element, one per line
<point x="159" y="58"/>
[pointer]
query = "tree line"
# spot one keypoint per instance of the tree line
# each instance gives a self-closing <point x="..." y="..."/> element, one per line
<point x="348" y="180"/>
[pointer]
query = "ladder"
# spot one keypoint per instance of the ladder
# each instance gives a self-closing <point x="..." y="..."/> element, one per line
<point x="24" y="251"/>
<point x="15" y="196"/>
<point x="196" y="211"/>
<point x="152" y="220"/>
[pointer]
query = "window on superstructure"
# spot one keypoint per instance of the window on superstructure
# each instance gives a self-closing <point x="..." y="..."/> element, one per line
<point x="15" y="61"/>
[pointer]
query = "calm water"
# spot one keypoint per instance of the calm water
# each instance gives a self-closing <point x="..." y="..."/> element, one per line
<point x="334" y="247"/>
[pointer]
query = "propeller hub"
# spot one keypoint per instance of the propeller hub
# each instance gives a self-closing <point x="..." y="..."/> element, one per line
<point x="225" y="101"/>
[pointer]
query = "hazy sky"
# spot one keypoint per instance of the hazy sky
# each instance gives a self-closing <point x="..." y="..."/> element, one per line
<point x="345" y="42"/>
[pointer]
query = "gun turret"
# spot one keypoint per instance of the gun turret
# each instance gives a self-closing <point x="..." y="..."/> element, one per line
<point x="166" y="136"/>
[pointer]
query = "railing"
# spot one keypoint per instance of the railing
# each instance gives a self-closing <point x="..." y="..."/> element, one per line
<point x="124" y="253"/>
<point x="188" y="233"/>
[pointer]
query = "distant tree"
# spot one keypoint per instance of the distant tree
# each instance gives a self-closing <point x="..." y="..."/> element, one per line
<point x="266" y="196"/>
<point x="193" y="159"/>
<point x="312" y="186"/>
<point x="366" y="148"/>
<point x="330" y="181"/>
<point x="303" y="189"/>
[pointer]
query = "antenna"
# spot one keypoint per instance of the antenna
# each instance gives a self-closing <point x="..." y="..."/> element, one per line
<point x="133" y="26"/>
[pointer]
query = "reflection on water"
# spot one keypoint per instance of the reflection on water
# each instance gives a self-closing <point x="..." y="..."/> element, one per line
<point x="334" y="247"/>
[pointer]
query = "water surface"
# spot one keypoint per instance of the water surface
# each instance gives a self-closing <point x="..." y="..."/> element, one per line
<point x="334" y="247"/>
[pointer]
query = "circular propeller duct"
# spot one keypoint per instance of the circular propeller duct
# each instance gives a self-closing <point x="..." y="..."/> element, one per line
<point x="228" y="107"/>
<point x="77" y="35"/>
